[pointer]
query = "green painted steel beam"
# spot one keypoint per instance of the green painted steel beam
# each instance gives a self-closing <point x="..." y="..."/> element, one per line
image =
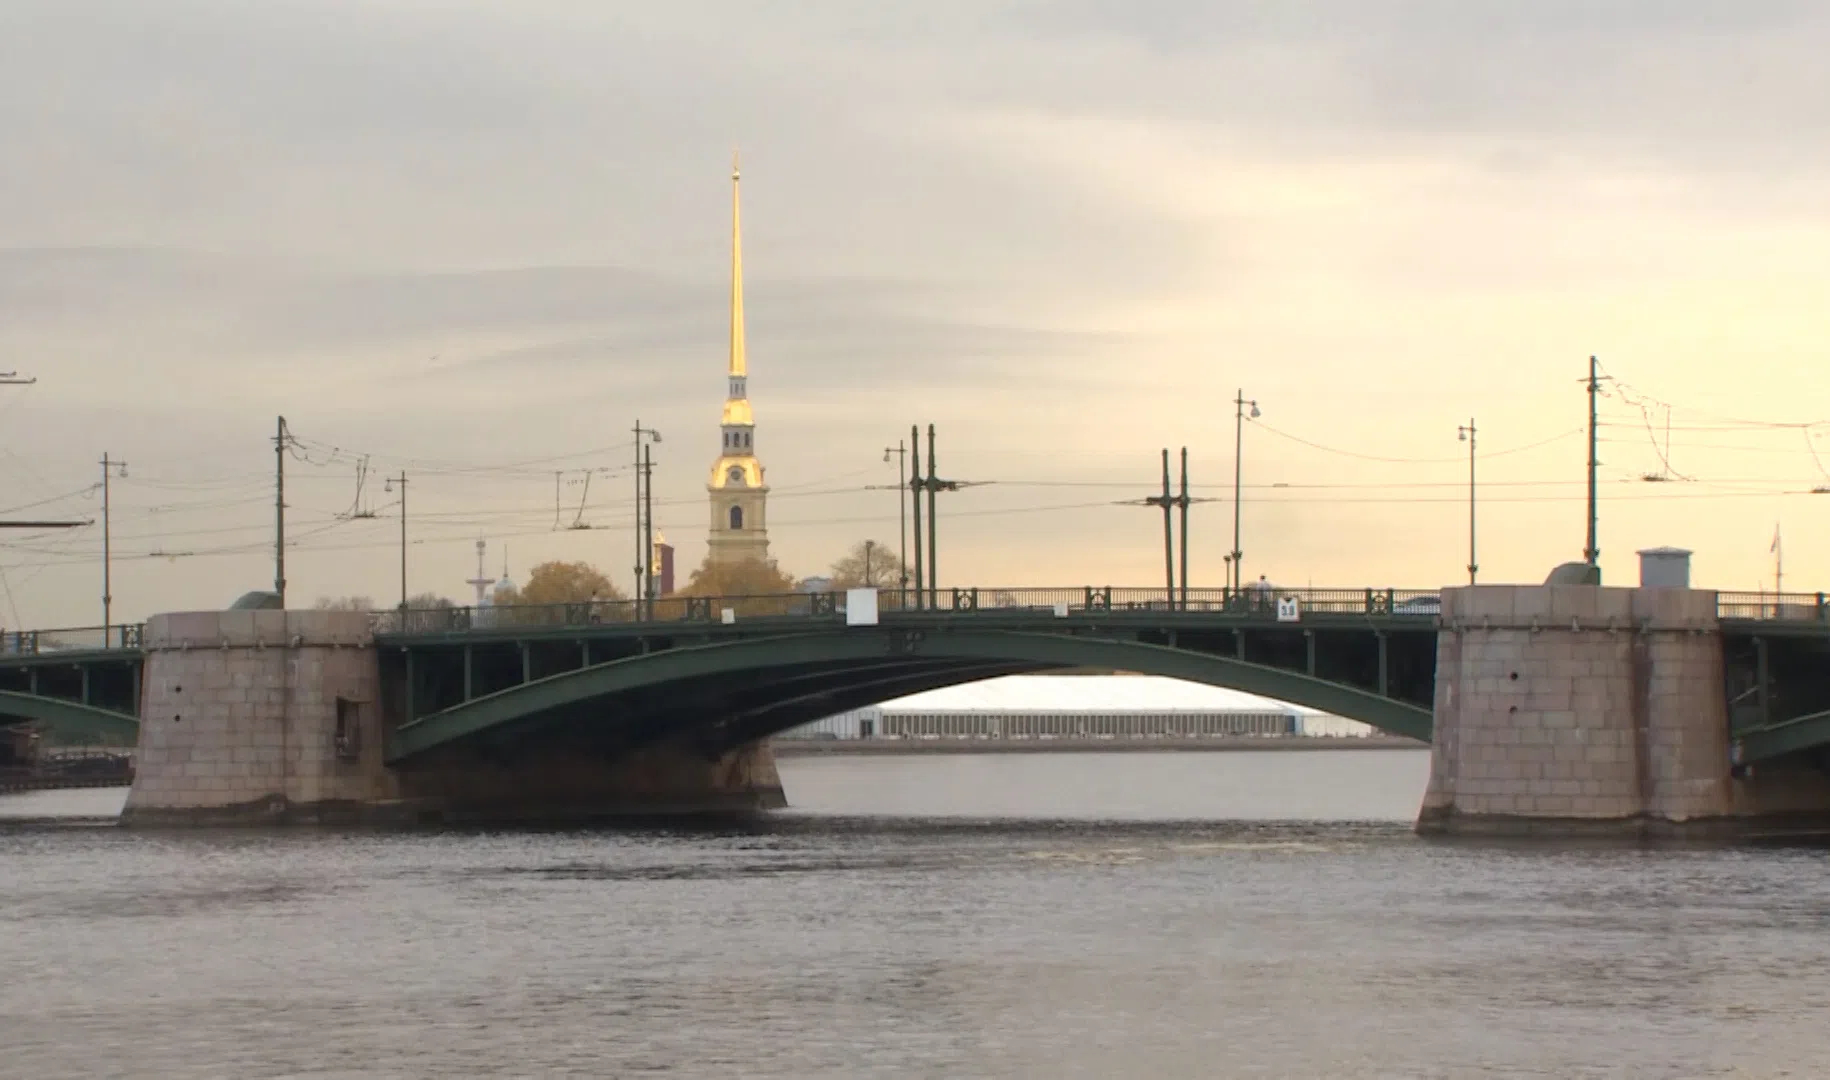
<point x="864" y="646"/>
<point x="988" y="618"/>
<point x="70" y="721"/>
<point x="1785" y="737"/>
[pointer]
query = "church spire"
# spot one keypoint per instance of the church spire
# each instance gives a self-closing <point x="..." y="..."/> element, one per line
<point x="738" y="365"/>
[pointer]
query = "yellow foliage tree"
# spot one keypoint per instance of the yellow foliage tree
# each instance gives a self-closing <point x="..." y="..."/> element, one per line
<point x="752" y="587"/>
<point x="554" y="587"/>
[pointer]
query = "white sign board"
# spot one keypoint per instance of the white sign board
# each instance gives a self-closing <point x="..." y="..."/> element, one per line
<point x="1060" y="611"/>
<point x="727" y="615"/>
<point x="1289" y="609"/>
<point x="860" y="607"/>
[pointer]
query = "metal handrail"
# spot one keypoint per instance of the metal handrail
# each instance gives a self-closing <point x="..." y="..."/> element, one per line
<point x="1078" y="600"/>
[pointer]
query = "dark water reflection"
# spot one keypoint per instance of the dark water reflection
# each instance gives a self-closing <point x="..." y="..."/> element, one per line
<point x="983" y="933"/>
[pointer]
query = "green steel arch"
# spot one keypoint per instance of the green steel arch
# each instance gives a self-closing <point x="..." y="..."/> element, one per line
<point x="70" y="721"/>
<point x="749" y="663"/>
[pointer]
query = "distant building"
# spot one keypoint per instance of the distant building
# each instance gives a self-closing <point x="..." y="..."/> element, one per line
<point x="662" y="566"/>
<point x="1079" y="706"/>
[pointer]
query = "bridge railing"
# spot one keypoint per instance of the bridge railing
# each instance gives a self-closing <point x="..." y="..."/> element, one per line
<point x="1078" y="600"/>
<point x="1785" y="607"/>
<point x="70" y="639"/>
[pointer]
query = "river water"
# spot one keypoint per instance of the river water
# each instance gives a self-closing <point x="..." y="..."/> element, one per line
<point x="1070" y="915"/>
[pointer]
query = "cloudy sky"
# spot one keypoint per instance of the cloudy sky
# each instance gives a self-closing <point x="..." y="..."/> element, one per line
<point x="477" y="240"/>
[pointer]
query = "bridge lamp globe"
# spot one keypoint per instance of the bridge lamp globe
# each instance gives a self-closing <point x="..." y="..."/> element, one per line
<point x="1255" y="413"/>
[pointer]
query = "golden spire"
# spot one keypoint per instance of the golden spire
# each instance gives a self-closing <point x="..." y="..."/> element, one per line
<point x="738" y="367"/>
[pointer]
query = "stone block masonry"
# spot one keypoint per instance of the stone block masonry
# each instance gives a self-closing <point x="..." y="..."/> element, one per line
<point x="251" y="716"/>
<point x="277" y="717"/>
<point x="1578" y="708"/>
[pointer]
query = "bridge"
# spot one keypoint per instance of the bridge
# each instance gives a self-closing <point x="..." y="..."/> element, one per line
<point x="721" y="672"/>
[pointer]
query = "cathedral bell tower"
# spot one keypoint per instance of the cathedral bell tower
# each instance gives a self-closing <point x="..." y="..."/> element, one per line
<point x="739" y="497"/>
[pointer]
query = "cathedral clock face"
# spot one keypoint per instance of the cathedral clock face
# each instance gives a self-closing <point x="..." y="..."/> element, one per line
<point x="735" y="473"/>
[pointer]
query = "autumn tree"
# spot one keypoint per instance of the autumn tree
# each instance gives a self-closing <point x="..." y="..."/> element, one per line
<point x="344" y="603"/>
<point x="868" y="565"/>
<point x="427" y="612"/>
<point x="553" y="587"/>
<point x="761" y="585"/>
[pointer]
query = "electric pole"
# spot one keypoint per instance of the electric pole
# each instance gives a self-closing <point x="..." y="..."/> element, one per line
<point x="902" y="524"/>
<point x="1467" y="435"/>
<point x="108" y="470"/>
<point x="1177" y="593"/>
<point x="402" y="481"/>
<point x="1166" y="501"/>
<point x="915" y="486"/>
<point x="1182" y="502"/>
<point x="1239" y="417"/>
<point x="643" y="554"/>
<point x="932" y="484"/>
<point x="648" y="584"/>
<point x="280" y="441"/>
<point x="1592" y="553"/>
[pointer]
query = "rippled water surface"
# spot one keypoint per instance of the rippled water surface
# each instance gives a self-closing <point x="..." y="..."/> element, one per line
<point x="1132" y="915"/>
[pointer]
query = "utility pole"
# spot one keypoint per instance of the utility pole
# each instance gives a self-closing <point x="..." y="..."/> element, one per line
<point x="1166" y="501"/>
<point x="402" y="481"/>
<point x="280" y="439"/>
<point x="915" y="486"/>
<point x="902" y="526"/>
<point x="1182" y="502"/>
<point x="1466" y="434"/>
<point x="1592" y="553"/>
<point x="932" y="484"/>
<point x="868" y="546"/>
<point x="108" y="469"/>
<point x="1178" y="593"/>
<point x="933" y="514"/>
<point x="1239" y="417"/>
<point x="643" y="554"/>
<point x="648" y="583"/>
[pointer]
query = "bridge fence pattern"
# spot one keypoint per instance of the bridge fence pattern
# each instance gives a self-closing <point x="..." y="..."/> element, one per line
<point x="1075" y="601"/>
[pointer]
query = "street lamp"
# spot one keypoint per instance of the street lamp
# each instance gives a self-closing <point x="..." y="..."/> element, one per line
<point x="1467" y="435"/>
<point x="902" y="518"/>
<point x="869" y="546"/>
<point x="644" y="519"/>
<point x="1239" y="418"/>
<point x="389" y="487"/>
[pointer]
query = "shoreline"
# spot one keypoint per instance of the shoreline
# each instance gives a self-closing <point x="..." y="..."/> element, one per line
<point x="1212" y="744"/>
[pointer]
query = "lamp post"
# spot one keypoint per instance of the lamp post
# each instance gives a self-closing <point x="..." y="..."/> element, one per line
<point x="1467" y="435"/>
<point x="1239" y="418"/>
<point x="902" y="524"/>
<point x="644" y="550"/>
<point x="869" y="546"/>
<point x="109" y="468"/>
<point x="389" y="487"/>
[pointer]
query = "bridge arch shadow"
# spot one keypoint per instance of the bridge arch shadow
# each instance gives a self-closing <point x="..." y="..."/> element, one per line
<point x="724" y="695"/>
<point x="68" y="721"/>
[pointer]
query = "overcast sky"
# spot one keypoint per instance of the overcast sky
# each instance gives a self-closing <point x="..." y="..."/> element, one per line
<point x="457" y="235"/>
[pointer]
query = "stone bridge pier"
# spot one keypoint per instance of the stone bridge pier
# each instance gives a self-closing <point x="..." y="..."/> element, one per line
<point x="1570" y="709"/>
<point x="252" y="717"/>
